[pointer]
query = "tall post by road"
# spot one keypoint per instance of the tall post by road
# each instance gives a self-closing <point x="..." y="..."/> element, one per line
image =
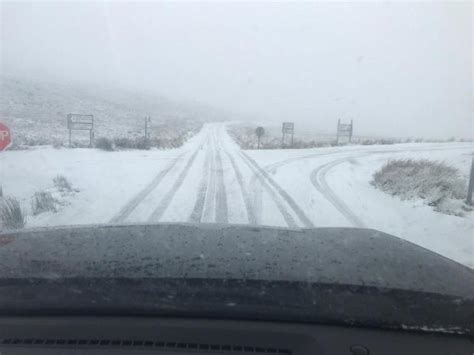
<point x="471" y="184"/>
<point x="350" y="133"/>
<point x="146" y="129"/>
<point x="259" y="132"/>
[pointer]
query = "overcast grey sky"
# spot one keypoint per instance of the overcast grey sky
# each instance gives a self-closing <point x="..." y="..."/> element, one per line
<point x="395" y="68"/>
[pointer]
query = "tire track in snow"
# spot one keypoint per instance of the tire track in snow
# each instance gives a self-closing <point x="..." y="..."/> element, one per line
<point x="135" y="201"/>
<point x="289" y="220"/>
<point x="332" y="197"/>
<point x="252" y="219"/>
<point x="318" y="179"/>
<point x="221" y="197"/>
<point x="272" y="168"/>
<point x="165" y="202"/>
<point x="196" y="214"/>
<point x="286" y="197"/>
<point x="208" y="213"/>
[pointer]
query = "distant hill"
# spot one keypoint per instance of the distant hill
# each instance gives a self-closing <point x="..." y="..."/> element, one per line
<point x="36" y="111"/>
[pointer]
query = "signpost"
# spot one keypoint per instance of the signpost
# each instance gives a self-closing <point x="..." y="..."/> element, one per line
<point x="344" y="130"/>
<point x="259" y="133"/>
<point x="288" y="128"/>
<point x="80" y="122"/>
<point x="147" y="130"/>
<point x="471" y="184"/>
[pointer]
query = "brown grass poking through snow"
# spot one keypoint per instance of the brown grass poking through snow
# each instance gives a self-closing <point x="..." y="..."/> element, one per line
<point x="437" y="183"/>
<point x="11" y="214"/>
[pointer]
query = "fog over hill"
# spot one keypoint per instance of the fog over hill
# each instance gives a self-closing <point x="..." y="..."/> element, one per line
<point x="36" y="110"/>
<point x="400" y="69"/>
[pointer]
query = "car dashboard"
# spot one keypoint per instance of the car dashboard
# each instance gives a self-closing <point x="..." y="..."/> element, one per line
<point x="225" y="289"/>
<point x="186" y="336"/>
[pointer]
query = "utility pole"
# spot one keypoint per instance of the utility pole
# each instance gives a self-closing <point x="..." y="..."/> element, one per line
<point x="350" y="133"/>
<point x="259" y="132"/>
<point x="471" y="184"/>
<point x="147" y="127"/>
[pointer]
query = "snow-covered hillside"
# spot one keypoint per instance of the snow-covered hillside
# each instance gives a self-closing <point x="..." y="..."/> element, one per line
<point x="36" y="111"/>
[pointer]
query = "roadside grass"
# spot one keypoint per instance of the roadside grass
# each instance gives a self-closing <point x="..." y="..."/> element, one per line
<point x="43" y="201"/>
<point x="62" y="184"/>
<point x="436" y="183"/>
<point x="245" y="137"/>
<point x="12" y="215"/>
<point x="104" y="143"/>
<point x="131" y="143"/>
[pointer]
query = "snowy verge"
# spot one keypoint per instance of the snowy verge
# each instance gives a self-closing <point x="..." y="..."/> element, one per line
<point x="412" y="220"/>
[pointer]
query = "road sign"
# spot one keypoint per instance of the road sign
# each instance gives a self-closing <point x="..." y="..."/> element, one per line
<point x="287" y="128"/>
<point x="5" y="137"/>
<point x="80" y="122"/>
<point x="344" y="130"/>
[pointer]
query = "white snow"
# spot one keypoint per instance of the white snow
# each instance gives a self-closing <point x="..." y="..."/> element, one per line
<point x="350" y="179"/>
<point x="414" y="221"/>
<point x="211" y="172"/>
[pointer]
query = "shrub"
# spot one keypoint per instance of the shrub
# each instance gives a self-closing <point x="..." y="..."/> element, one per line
<point x="57" y="144"/>
<point x="62" y="184"/>
<point x="43" y="201"/>
<point x="435" y="182"/>
<point x="104" y="144"/>
<point x="142" y="143"/>
<point x="123" y="143"/>
<point x="11" y="214"/>
<point x="132" y="143"/>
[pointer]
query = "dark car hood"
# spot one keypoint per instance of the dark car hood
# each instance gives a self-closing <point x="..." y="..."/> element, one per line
<point x="332" y="275"/>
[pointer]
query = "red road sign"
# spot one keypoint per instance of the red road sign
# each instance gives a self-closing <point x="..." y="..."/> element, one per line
<point x="5" y="137"/>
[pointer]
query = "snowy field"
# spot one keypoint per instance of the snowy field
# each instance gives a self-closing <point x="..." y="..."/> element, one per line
<point x="210" y="179"/>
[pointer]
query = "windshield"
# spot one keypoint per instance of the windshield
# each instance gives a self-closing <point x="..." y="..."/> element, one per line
<point x="292" y="115"/>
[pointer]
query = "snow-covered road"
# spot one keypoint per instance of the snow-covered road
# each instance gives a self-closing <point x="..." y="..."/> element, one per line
<point x="211" y="180"/>
<point x="208" y="183"/>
